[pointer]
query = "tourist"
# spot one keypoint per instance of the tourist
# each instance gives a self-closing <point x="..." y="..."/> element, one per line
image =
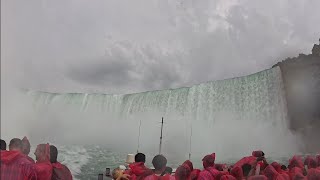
<point x="271" y="173"/>
<point x="138" y="170"/>
<point x="310" y="162"/>
<point x="26" y="148"/>
<point x="237" y="173"/>
<point x="59" y="171"/>
<point x="14" y="165"/>
<point x="194" y="172"/>
<point x="3" y="145"/>
<point x="43" y="165"/>
<point x="159" y="163"/>
<point x="209" y="171"/>
<point x="183" y="172"/>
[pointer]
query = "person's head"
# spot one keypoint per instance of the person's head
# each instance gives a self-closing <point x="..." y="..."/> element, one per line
<point x="311" y="162"/>
<point x="246" y="168"/>
<point x="208" y="160"/>
<point x="25" y="146"/>
<point x="189" y="164"/>
<point x="140" y="157"/>
<point x="182" y="173"/>
<point x="295" y="161"/>
<point x="258" y="153"/>
<point x="284" y="167"/>
<point x="53" y="154"/>
<point x="168" y="170"/>
<point x="42" y="153"/>
<point x="159" y="162"/>
<point x="15" y="144"/>
<point x="3" y="145"/>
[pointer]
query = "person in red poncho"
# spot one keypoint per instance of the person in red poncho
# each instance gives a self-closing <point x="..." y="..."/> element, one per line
<point x="183" y="172"/>
<point x="137" y="169"/>
<point x="313" y="174"/>
<point x="159" y="163"/>
<point x="295" y="161"/>
<point x="227" y="177"/>
<point x="14" y="165"/>
<point x="26" y="148"/>
<point x="318" y="160"/>
<point x="237" y="173"/>
<point x="43" y="165"/>
<point x="252" y="160"/>
<point x="209" y="172"/>
<point x="272" y="174"/>
<point x="310" y="162"/>
<point x="60" y="171"/>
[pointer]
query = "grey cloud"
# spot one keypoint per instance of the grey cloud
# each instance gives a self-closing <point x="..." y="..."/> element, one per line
<point x="129" y="46"/>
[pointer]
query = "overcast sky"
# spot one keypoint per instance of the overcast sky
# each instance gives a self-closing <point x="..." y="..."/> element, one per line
<point x="124" y="46"/>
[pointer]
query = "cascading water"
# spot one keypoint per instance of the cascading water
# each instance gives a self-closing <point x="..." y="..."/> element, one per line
<point x="230" y="117"/>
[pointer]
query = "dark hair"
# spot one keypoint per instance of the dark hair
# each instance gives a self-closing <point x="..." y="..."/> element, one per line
<point x="159" y="162"/>
<point x="15" y="143"/>
<point x="284" y="167"/>
<point x="168" y="170"/>
<point x="246" y="168"/>
<point x="140" y="157"/>
<point x="53" y="154"/>
<point x="3" y="145"/>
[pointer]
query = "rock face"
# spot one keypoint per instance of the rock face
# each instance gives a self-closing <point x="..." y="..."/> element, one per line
<point x="316" y="49"/>
<point x="301" y="76"/>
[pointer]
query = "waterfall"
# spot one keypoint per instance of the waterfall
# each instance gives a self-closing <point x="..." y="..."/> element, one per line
<point x="231" y="117"/>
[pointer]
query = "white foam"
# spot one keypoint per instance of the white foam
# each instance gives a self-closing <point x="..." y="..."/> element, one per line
<point x="74" y="157"/>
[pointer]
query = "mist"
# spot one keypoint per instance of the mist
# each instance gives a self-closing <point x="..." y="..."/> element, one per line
<point x="118" y="47"/>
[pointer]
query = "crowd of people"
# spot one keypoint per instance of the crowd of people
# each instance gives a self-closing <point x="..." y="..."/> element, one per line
<point x="16" y="164"/>
<point x="254" y="167"/>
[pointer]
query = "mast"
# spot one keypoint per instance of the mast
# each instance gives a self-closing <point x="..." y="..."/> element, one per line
<point x="161" y="136"/>
<point x="190" y="143"/>
<point x="139" y="137"/>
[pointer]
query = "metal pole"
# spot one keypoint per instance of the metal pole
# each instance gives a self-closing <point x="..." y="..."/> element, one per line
<point x="139" y="137"/>
<point x="190" y="143"/>
<point x="161" y="136"/>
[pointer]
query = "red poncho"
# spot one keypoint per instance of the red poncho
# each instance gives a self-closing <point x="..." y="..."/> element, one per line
<point x="311" y="162"/>
<point x="60" y="171"/>
<point x="314" y="174"/>
<point x="15" y="166"/>
<point x="208" y="173"/>
<point x="318" y="160"/>
<point x="296" y="173"/>
<point x="183" y="173"/>
<point x="43" y="165"/>
<point x="258" y="153"/>
<point x="155" y="177"/>
<point x="246" y="160"/>
<point x="258" y="177"/>
<point x="138" y="171"/>
<point x="295" y="161"/>
<point x="195" y="174"/>
<point x="237" y="173"/>
<point x="227" y="177"/>
<point x="208" y="160"/>
<point x="272" y="174"/>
